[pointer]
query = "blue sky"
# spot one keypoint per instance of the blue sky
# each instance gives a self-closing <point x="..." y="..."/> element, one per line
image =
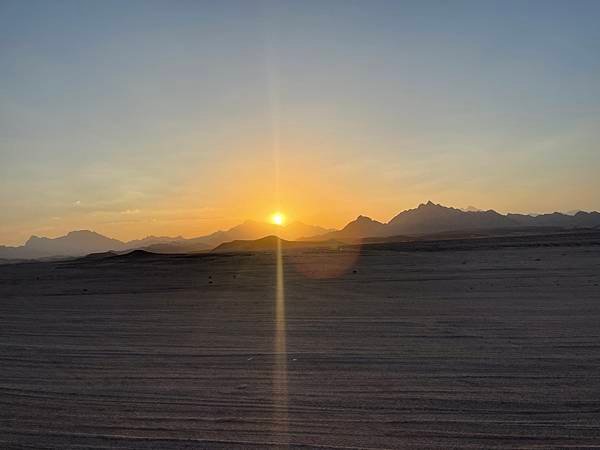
<point x="133" y="118"/>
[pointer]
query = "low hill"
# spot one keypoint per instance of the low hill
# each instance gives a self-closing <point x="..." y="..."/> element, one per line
<point x="98" y="256"/>
<point x="270" y="243"/>
<point x="136" y="255"/>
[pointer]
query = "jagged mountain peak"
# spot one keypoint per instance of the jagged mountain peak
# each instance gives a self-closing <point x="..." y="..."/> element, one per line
<point x="364" y="219"/>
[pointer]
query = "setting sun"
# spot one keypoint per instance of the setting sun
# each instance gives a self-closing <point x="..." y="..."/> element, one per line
<point x="278" y="218"/>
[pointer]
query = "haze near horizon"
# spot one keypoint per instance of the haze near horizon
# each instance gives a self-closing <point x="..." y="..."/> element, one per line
<point x="184" y="118"/>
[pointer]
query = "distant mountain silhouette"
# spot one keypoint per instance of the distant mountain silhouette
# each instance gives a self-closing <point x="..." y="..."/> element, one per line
<point x="84" y="242"/>
<point x="431" y="218"/>
<point x="80" y="243"/>
<point x="362" y="226"/>
<point x="251" y="230"/>
<point x="153" y="240"/>
<point x="428" y="218"/>
<point x="580" y="219"/>
<point x="74" y="243"/>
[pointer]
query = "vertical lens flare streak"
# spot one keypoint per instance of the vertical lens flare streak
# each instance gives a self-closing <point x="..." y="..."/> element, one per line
<point x="280" y="374"/>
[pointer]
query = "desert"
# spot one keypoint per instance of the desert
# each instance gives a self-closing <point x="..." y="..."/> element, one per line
<point x="486" y="343"/>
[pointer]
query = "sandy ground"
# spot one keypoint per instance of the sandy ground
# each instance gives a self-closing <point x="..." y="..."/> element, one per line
<point x="479" y="348"/>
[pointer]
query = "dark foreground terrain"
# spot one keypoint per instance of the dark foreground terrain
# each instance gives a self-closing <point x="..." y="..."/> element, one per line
<point x="449" y="345"/>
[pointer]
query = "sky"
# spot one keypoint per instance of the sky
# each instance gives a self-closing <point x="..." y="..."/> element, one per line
<point x="133" y="118"/>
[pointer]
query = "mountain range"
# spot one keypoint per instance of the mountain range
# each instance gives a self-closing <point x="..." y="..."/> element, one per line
<point x="427" y="218"/>
<point x="430" y="218"/>
<point x="84" y="242"/>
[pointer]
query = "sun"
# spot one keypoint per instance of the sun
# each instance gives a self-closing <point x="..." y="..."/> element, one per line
<point x="278" y="218"/>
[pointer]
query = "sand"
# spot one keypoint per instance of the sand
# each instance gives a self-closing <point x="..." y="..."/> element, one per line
<point x="445" y="348"/>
